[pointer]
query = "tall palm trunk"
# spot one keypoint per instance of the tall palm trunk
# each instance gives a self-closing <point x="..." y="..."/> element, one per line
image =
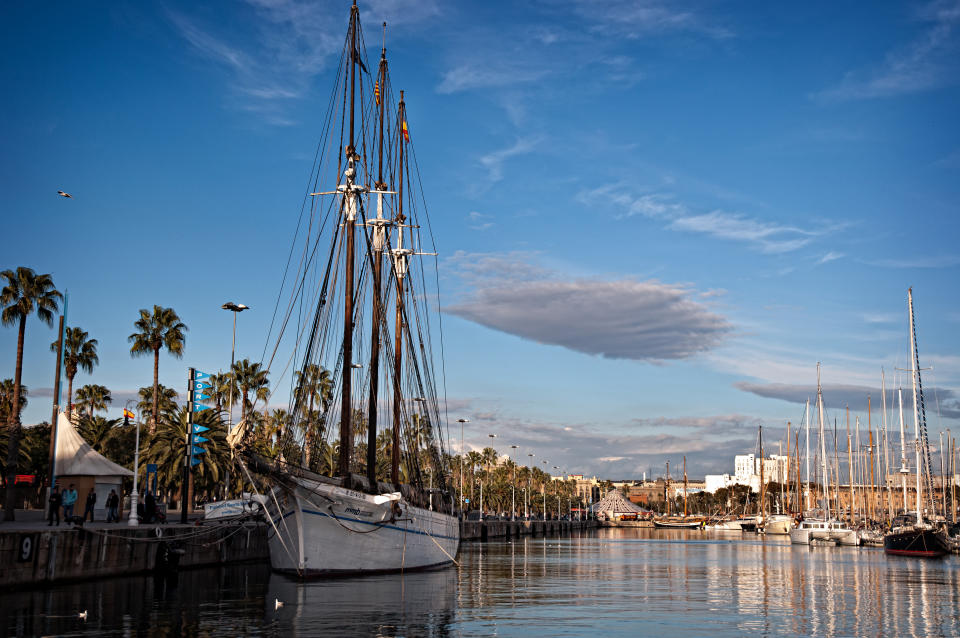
<point x="156" y="387"/>
<point x="13" y="429"/>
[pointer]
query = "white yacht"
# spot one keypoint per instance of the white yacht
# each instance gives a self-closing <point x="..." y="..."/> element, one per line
<point x="813" y="529"/>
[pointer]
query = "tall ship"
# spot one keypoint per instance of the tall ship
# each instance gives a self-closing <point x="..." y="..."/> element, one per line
<point x="910" y="534"/>
<point x="355" y="476"/>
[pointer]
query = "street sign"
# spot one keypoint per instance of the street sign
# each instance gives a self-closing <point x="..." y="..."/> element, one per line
<point x="199" y="376"/>
<point x="199" y="407"/>
<point x="197" y="429"/>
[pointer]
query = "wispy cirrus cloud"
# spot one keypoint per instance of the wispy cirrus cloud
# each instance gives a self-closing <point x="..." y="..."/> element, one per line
<point x="617" y="319"/>
<point x="479" y="221"/>
<point x="637" y="18"/>
<point x="494" y="160"/>
<point x="830" y="256"/>
<point x="933" y="261"/>
<point x="471" y="76"/>
<point x="768" y="237"/>
<point x="276" y="48"/>
<point x="927" y="62"/>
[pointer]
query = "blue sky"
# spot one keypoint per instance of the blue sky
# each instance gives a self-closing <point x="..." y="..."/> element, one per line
<point x="654" y="218"/>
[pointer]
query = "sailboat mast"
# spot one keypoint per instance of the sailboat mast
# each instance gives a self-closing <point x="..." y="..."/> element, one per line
<point x="807" y="460"/>
<point x="763" y="484"/>
<point x="914" y="373"/>
<point x="871" y="508"/>
<point x="904" y="470"/>
<point x="886" y="447"/>
<point x="400" y="269"/>
<point x="823" y="446"/>
<point x="851" y="516"/>
<point x="918" y="390"/>
<point x="379" y="236"/>
<point x="684" y="485"/>
<point x="350" y="203"/>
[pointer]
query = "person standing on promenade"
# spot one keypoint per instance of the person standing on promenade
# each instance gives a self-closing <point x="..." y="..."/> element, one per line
<point x="91" y="504"/>
<point x="113" y="501"/>
<point x="69" y="500"/>
<point x="54" y="502"/>
<point x="149" y="507"/>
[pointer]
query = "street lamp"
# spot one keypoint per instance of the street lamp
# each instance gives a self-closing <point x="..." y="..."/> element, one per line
<point x="462" y="454"/>
<point x="513" y="487"/>
<point x="133" y="521"/>
<point x="492" y="436"/>
<point x="234" y="308"/>
<point x="545" y="461"/>
<point x="526" y="490"/>
<point x="556" y="467"/>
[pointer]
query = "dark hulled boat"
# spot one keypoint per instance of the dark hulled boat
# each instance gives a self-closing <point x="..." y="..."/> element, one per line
<point x="910" y="539"/>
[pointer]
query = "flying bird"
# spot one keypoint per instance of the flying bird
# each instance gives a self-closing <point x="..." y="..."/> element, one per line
<point x="62" y="194"/>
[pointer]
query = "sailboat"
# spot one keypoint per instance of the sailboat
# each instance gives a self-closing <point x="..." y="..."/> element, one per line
<point x="811" y="531"/>
<point x="358" y="483"/>
<point x="910" y="535"/>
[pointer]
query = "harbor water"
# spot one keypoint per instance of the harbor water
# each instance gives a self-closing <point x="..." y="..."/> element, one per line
<point x="612" y="582"/>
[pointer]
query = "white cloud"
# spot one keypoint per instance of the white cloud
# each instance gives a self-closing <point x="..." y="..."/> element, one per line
<point x="830" y="256"/>
<point x="479" y="221"/>
<point x="927" y="62"/>
<point x="768" y="237"/>
<point x="619" y="319"/>
<point x="468" y="77"/>
<point x="493" y="161"/>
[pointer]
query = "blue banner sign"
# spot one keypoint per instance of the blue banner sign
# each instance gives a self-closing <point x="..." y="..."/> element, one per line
<point x="197" y="429"/>
<point x="199" y="407"/>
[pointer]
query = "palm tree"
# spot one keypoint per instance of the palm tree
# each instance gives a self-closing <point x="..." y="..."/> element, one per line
<point x="168" y="447"/>
<point x="314" y="384"/>
<point x="6" y="398"/>
<point x="93" y="397"/>
<point x="250" y="377"/>
<point x="97" y="430"/>
<point x="167" y="398"/>
<point x="220" y="387"/>
<point x="25" y="292"/>
<point x="78" y="352"/>
<point x="162" y="329"/>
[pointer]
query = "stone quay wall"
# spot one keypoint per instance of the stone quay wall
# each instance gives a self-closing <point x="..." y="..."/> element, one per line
<point x="31" y="557"/>
<point x="490" y="529"/>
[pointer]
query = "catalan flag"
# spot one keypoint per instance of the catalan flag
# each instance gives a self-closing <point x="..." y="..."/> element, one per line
<point x="406" y="133"/>
<point x="376" y="91"/>
<point x="127" y="414"/>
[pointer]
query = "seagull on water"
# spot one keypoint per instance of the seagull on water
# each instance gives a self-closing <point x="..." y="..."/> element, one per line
<point x="62" y="194"/>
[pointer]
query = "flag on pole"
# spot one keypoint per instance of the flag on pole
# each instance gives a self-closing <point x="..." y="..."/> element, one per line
<point x="406" y="133"/>
<point x="127" y="414"/>
<point x="376" y="91"/>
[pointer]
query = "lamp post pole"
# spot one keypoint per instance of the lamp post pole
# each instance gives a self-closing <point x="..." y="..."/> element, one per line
<point x="526" y="490"/>
<point x="462" y="455"/>
<point x="234" y="308"/>
<point x="558" y="493"/>
<point x="133" y="520"/>
<point x="545" y="490"/>
<point x="513" y="487"/>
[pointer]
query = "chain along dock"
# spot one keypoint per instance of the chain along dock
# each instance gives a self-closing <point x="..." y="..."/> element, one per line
<point x="33" y="554"/>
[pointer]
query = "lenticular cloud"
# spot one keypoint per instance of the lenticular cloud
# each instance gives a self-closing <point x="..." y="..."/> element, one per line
<point x="624" y="319"/>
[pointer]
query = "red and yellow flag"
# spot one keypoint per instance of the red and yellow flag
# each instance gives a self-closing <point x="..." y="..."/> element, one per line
<point x="128" y="414"/>
<point x="406" y="133"/>
<point x="376" y="91"/>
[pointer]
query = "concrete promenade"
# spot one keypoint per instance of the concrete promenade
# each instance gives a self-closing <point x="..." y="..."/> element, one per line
<point x="493" y="529"/>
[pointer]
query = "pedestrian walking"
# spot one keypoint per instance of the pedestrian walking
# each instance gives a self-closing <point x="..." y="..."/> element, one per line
<point x="91" y="504"/>
<point x="55" y="501"/>
<point x="113" y="502"/>
<point x="69" y="500"/>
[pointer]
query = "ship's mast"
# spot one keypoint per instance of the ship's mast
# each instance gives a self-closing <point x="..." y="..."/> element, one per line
<point x="918" y="392"/>
<point x="350" y="216"/>
<point x="914" y="376"/>
<point x="379" y="239"/>
<point x="904" y="470"/>
<point x="823" y="447"/>
<point x="807" y="459"/>
<point x="400" y="270"/>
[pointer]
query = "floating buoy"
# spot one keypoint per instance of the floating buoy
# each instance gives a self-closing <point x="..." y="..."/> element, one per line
<point x="82" y="615"/>
<point x="276" y="604"/>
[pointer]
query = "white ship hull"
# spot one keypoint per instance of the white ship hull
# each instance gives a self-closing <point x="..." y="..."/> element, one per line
<point x="328" y="530"/>
<point x="778" y="524"/>
<point x="812" y="530"/>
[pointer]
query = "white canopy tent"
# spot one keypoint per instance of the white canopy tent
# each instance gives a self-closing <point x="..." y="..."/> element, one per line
<point x="80" y="464"/>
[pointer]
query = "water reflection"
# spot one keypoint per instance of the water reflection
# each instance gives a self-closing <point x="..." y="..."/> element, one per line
<point x="615" y="582"/>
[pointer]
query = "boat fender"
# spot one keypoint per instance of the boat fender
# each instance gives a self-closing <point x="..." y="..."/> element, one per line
<point x="395" y="511"/>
